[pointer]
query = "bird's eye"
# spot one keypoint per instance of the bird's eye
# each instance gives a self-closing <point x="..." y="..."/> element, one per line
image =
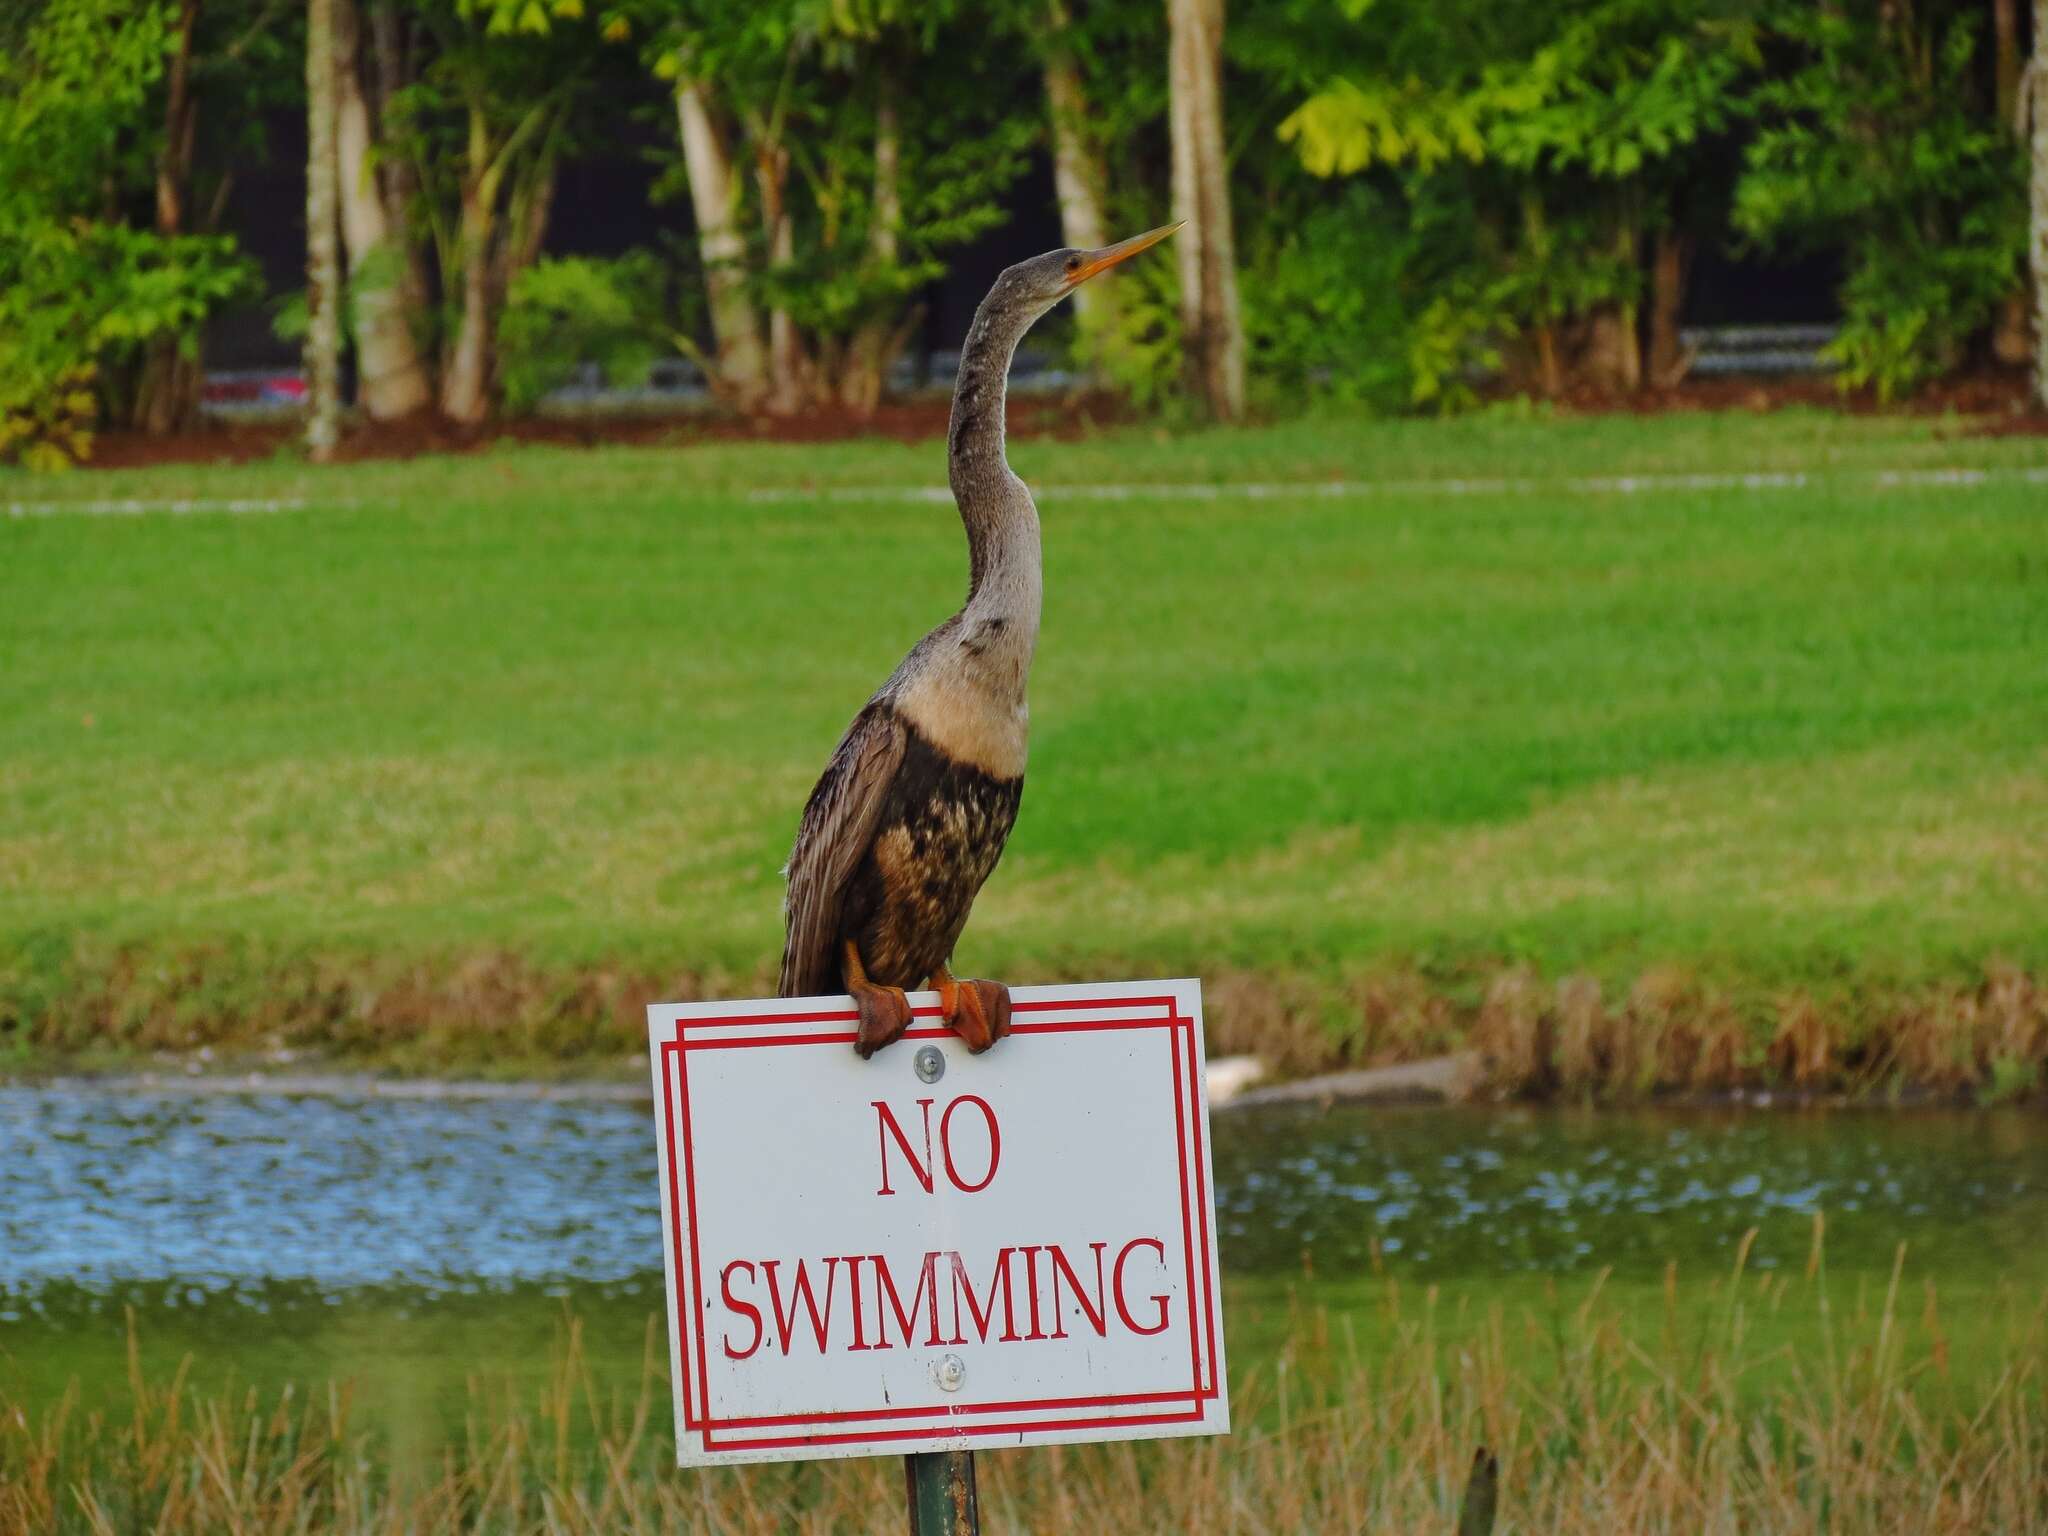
<point x="1073" y="263"/>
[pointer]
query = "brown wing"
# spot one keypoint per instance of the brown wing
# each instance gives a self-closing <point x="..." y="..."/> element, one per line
<point x="838" y="825"/>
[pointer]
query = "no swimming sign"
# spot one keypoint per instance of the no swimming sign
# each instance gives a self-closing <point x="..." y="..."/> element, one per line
<point x="934" y="1250"/>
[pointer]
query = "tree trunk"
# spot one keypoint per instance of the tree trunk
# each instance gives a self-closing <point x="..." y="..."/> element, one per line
<point x="2038" y="232"/>
<point x="1212" y="329"/>
<point x="742" y="367"/>
<point x="2008" y="66"/>
<point x="785" y="346"/>
<point x="323" y="255"/>
<point x="2009" y="341"/>
<point x="174" y="161"/>
<point x="1078" y="180"/>
<point x="397" y="177"/>
<point x="465" y="384"/>
<point x="466" y="380"/>
<point x="167" y="391"/>
<point x="874" y="344"/>
<point x="1615" y="353"/>
<point x="1668" y="266"/>
<point x="526" y="223"/>
<point x="1550" y="368"/>
<point x="391" y="376"/>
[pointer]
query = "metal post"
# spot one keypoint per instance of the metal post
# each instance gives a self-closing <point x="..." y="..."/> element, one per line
<point x="941" y="1486"/>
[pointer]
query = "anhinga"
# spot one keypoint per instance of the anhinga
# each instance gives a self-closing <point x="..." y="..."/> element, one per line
<point x="913" y="810"/>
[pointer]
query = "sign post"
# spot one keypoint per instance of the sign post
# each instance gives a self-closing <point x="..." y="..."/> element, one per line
<point x="932" y="1251"/>
<point x="941" y="1486"/>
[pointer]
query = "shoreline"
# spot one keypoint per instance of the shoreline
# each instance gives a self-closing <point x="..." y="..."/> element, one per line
<point x="1235" y="1084"/>
<point x="1667" y="1035"/>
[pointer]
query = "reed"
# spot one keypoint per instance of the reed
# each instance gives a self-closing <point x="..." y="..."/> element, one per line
<point x="1668" y="1034"/>
<point x="1602" y="1418"/>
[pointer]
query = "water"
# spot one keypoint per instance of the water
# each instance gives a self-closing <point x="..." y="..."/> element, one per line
<point x="412" y="1243"/>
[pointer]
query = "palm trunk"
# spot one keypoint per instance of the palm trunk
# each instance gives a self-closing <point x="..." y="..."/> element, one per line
<point x="391" y="376"/>
<point x="1212" y="328"/>
<point x="323" y="255"/>
<point x="741" y="365"/>
<point x="1078" y="181"/>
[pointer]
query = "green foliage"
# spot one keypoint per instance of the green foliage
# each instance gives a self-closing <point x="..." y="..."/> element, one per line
<point x="805" y="94"/>
<point x="1607" y="89"/>
<point x="1140" y="354"/>
<point x="564" y="312"/>
<point x="2013" y="1078"/>
<point x="80" y="297"/>
<point x="1880" y="141"/>
<point x="951" y="188"/>
<point x="1537" y="146"/>
<point x="1328" y="305"/>
<point x="82" y="294"/>
<point x="48" y="426"/>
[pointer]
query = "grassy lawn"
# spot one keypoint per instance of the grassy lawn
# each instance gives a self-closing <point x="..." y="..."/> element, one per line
<point x="565" y="706"/>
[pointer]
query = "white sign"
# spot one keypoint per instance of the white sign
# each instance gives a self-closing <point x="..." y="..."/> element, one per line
<point x="930" y="1249"/>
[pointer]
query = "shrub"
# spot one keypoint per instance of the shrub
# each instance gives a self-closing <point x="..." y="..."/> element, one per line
<point x="563" y="312"/>
<point x="76" y="296"/>
<point x="1874" y="143"/>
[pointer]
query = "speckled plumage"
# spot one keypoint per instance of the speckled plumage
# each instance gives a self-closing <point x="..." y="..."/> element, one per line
<point x="915" y="806"/>
<point x="941" y="829"/>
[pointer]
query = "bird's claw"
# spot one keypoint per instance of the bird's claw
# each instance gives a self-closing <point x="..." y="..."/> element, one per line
<point x="884" y="1015"/>
<point x="979" y="1012"/>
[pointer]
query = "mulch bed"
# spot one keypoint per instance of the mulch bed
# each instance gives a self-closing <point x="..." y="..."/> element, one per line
<point x="1994" y="403"/>
<point x="905" y="422"/>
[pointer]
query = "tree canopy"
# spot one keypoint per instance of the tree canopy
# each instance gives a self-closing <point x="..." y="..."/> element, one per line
<point x="1431" y="197"/>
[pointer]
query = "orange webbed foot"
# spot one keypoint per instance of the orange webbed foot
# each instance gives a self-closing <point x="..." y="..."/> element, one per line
<point x="978" y="1011"/>
<point x="884" y="1011"/>
<point x="884" y="1015"/>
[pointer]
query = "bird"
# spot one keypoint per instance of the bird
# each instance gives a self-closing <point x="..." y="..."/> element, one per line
<point x="916" y="803"/>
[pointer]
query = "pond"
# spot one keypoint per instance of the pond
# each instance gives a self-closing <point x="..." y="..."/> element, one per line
<point x="414" y="1245"/>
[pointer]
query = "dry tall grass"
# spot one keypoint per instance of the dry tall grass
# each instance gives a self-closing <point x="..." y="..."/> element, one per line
<point x="1667" y="1033"/>
<point x="1601" y="1424"/>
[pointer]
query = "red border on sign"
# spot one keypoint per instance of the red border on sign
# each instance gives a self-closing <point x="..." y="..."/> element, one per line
<point x="956" y="1420"/>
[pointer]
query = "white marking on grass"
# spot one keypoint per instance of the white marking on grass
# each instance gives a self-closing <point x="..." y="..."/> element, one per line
<point x="188" y="507"/>
<point x="1253" y="490"/>
<point x="1591" y="485"/>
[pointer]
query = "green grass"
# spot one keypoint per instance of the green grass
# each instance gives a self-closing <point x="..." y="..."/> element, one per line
<point x="566" y="705"/>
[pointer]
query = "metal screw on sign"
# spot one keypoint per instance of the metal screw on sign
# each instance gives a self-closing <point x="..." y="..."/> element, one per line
<point x="941" y="1485"/>
<point x="929" y="1063"/>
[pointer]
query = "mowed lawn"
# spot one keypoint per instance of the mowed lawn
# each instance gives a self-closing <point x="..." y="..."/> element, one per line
<point x="567" y="704"/>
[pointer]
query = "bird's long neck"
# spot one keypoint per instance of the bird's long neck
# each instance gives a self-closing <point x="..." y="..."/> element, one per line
<point x="1005" y="580"/>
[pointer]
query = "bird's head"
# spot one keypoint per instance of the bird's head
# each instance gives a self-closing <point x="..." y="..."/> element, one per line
<point x="1036" y="285"/>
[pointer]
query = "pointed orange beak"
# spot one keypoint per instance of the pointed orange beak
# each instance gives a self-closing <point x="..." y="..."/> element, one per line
<point x="1123" y="250"/>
